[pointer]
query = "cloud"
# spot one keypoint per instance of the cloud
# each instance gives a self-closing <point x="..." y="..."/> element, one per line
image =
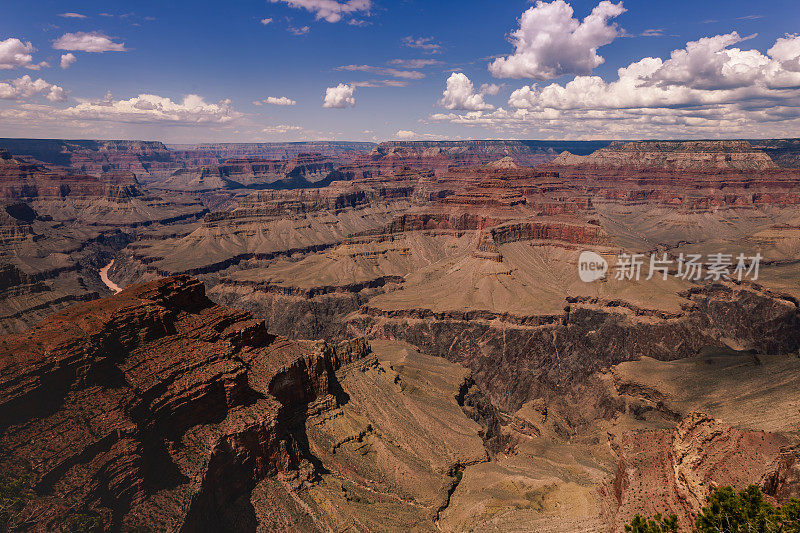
<point x="415" y="63"/>
<point x="708" y="72"/>
<point x="67" y="60"/>
<point x="382" y="71"/>
<point x="150" y="109"/>
<point x="379" y="83"/>
<point x="340" y="96"/>
<point x="460" y="94"/>
<point x="550" y="43"/>
<point x="298" y="31"/>
<point x="406" y="135"/>
<point x="24" y="88"/>
<point x="426" y="44"/>
<point x="491" y="89"/>
<point x="94" y="41"/>
<point x="266" y="21"/>
<point x="281" y="129"/>
<point x="787" y="51"/>
<point x="653" y="32"/>
<point x="72" y="15"/>
<point x="274" y="100"/>
<point x="709" y="88"/>
<point x="708" y="63"/>
<point x="15" y="54"/>
<point x="329" y="10"/>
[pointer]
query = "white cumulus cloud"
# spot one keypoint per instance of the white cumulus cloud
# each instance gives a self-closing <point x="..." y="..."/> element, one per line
<point x="67" y="60"/>
<point x="787" y="51"/>
<point x="491" y="89"/>
<point x="405" y="134"/>
<point x="150" y="108"/>
<point x="341" y="96"/>
<point x="15" y="54"/>
<point x="709" y="88"/>
<point x="277" y="100"/>
<point x="94" y="41"/>
<point x="24" y="88"/>
<point x="460" y="94"/>
<point x="550" y="43"/>
<point x="329" y="10"/>
<point x="707" y="72"/>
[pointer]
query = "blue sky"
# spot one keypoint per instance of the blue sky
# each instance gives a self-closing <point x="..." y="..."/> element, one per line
<point x="385" y="65"/>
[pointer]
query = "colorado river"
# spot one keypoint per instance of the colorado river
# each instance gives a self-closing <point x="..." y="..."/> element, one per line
<point x="104" y="278"/>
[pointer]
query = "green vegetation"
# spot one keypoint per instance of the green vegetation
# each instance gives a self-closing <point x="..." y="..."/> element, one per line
<point x="728" y="511"/>
<point x="14" y="492"/>
<point x="83" y="523"/>
<point x="657" y="524"/>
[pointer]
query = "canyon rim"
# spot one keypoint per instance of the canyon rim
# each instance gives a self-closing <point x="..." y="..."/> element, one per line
<point x="328" y="266"/>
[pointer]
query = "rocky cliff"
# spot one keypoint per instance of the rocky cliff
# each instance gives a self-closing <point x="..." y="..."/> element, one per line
<point x="438" y="156"/>
<point x="673" y="471"/>
<point x="57" y="228"/>
<point x="285" y="150"/>
<point x="158" y="410"/>
<point x="95" y="157"/>
<point x="304" y="170"/>
<point x="709" y="156"/>
<point x="153" y="409"/>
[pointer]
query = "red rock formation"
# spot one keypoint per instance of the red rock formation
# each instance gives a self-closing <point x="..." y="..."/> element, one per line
<point x="20" y="179"/>
<point x="95" y="157"/>
<point x="673" y="156"/>
<point x="692" y="175"/>
<point x="153" y="408"/>
<point x="675" y="470"/>
<point x="253" y="172"/>
<point x="285" y="150"/>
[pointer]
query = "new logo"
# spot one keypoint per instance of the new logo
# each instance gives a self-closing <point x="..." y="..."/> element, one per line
<point x="591" y="266"/>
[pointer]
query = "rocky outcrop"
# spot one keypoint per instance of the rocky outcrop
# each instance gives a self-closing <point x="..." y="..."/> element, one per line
<point x="95" y="157"/>
<point x="689" y="175"/>
<point x="24" y="180"/>
<point x="305" y="170"/>
<point x="520" y="358"/>
<point x="285" y="150"/>
<point x="439" y="155"/>
<point x="673" y="156"/>
<point x="58" y="227"/>
<point x="785" y="152"/>
<point x="673" y="471"/>
<point x="155" y="408"/>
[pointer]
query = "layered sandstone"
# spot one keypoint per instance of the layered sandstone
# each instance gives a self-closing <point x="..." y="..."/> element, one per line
<point x="58" y="227"/>
<point x="673" y="471"/>
<point x="95" y="157"/>
<point x="154" y="408"/>
<point x="304" y="170"/>
<point x="673" y="156"/>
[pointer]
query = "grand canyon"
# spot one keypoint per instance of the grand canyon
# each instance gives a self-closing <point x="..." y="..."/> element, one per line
<point x="363" y="266"/>
<point x="392" y="337"/>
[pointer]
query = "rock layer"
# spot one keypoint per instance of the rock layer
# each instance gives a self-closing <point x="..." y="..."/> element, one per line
<point x="153" y="408"/>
